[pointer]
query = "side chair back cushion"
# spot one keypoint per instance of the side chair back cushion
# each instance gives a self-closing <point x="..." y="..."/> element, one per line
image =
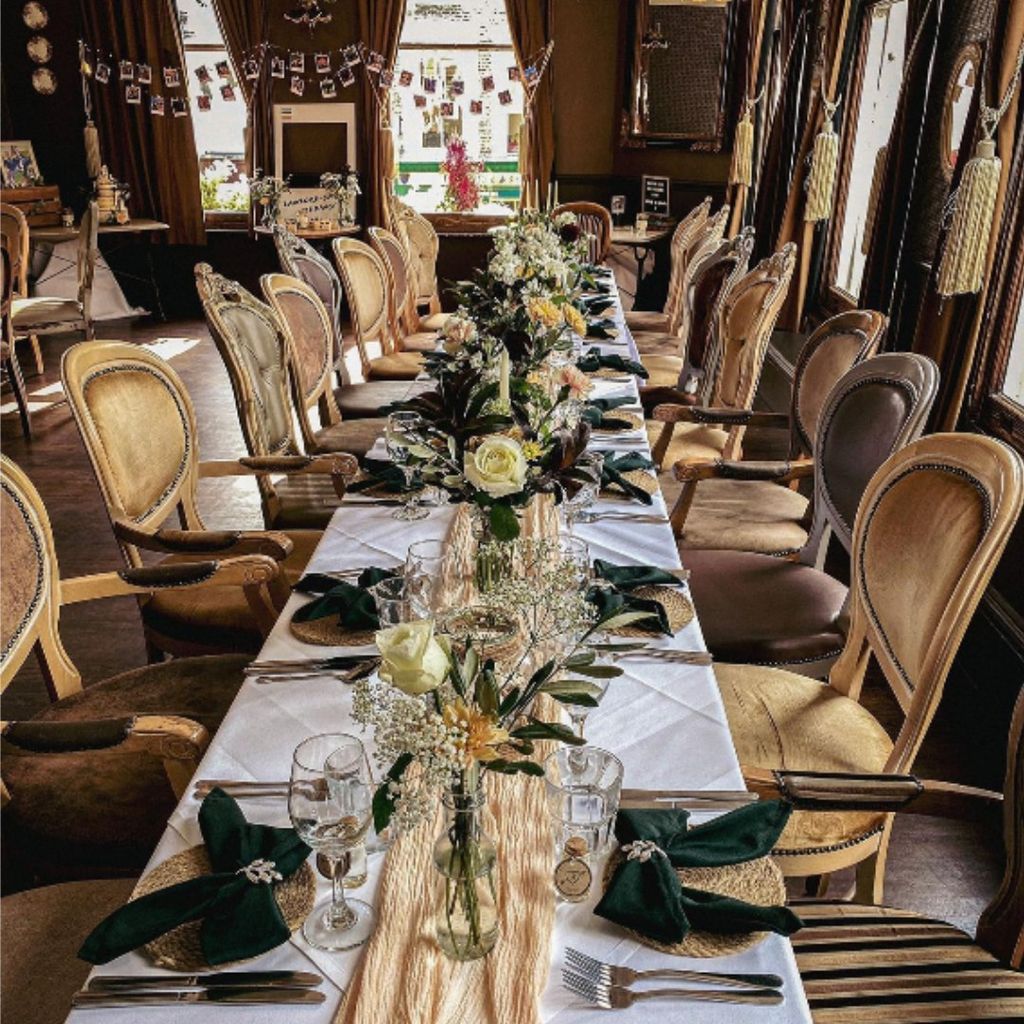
<point x="256" y="352"/>
<point x="368" y="283"/>
<point x="322" y="280"/>
<point x="145" y="436"/>
<point x="395" y="256"/>
<point x="744" y="323"/>
<point x="702" y="301"/>
<point x="24" y="582"/>
<point x="311" y="348"/>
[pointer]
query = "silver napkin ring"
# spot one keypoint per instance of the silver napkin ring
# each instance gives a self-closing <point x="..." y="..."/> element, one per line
<point x="643" y="850"/>
<point x="261" y="871"/>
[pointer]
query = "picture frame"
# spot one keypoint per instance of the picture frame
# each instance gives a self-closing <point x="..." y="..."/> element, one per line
<point x="18" y="167"/>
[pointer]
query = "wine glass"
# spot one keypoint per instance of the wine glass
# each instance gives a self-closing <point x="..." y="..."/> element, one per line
<point x="401" y="430"/>
<point x="597" y="688"/>
<point x="402" y="598"/>
<point x="591" y="466"/>
<point x="330" y="800"/>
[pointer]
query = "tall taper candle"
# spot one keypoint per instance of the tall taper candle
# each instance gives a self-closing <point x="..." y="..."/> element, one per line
<point x="556" y="194"/>
<point x="503" y="380"/>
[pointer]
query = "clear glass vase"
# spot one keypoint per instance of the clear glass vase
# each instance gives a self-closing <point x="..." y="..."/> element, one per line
<point x="467" y="914"/>
<point x="495" y="559"/>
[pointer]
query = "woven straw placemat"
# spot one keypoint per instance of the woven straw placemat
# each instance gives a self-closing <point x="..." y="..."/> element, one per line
<point x="635" y="423"/>
<point x="754" y="881"/>
<point x="639" y="478"/>
<point x="608" y="373"/>
<point x="329" y="632"/>
<point x="677" y="607"/>
<point x="179" y="949"/>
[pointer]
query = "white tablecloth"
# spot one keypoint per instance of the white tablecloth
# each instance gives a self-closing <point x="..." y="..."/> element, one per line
<point x="664" y="721"/>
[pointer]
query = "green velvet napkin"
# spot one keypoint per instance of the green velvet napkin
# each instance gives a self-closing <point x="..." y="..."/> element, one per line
<point x="382" y="472"/>
<point x="614" y="468"/>
<point x="603" y="328"/>
<point x="626" y="578"/>
<point x="352" y="603"/>
<point x="240" y="917"/>
<point x="595" y="412"/>
<point x="645" y="893"/>
<point x="593" y="361"/>
<point x="598" y="304"/>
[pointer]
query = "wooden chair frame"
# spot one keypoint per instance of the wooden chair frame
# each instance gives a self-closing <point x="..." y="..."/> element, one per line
<point x="422" y="246"/>
<point x="405" y="318"/>
<point x="594" y="220"/>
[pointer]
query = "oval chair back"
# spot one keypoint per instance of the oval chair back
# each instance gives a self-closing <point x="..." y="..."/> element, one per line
<point x="14" y="228"/>
<point x="422" y="246"/>
<point x="364" y="277"/>
<point x="390" y="249"/>
<point x="596" y="222"/>
<point x="679" y="247"/>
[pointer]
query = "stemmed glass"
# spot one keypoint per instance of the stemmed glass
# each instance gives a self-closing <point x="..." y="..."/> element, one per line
<point x="401" y="431"/>
<point x="330" y="800"/>
<point x="578" y="712"/>
<point x="591" y="465"/>
<point x="402" y="598"/>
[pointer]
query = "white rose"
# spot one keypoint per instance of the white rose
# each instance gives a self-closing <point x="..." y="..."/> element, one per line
<point x="411" y="658"/>
<point x="498" y="466"/>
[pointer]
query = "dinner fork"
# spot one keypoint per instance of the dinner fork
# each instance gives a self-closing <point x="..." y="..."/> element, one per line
<point x="612" y="974"/>
<point x="630" y="517"/>
<point x="615" y="997"/>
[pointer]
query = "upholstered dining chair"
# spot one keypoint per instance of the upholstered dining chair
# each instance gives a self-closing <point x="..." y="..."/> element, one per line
<point x="299" y="259"/>
<point x="367" y="284"/>
<point x="422" y="246"/>
<point x="676" y="359"/>
<point x="666" y="320"/>
<point x="90" y="780"/>
<point x="881" y="965"/>
<point x="744" y="506"/>
<point x="404" y="318"/>
<point x="306" y="327"/>
<point x="15" y="234"/>
<point x="929" y="532"/>
<point x="596" y="223"/>
<point x="759" y="608"/>
<point x="744" y="325"/>
<point x="8" y="355"/>
<point x="139" y="429"/>
<point x="31" y="317"/>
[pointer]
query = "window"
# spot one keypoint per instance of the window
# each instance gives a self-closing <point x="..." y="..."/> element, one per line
<point x="881" y="75"/>
<point x="218" y="121"/>
<point x="456" y="60"/>
<point x="1013" y="384"/>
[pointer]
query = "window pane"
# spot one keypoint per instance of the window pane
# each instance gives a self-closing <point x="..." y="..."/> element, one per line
<point x="467" y="22"/>
<point x="199" y="23"/>
<point x="880" y="90"/>
<point x="1013" y="386"/>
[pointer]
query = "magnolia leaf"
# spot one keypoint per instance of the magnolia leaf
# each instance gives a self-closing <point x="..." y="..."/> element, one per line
<point x="599" y="671"/>
<point x="504" y="524"/>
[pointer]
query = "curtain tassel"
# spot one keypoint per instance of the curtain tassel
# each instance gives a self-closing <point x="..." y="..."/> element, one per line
<point x="821" y="181"/>
<point x="742" y="170"/>
<point x="93" y="163"/>
<point x="962" y="267"/>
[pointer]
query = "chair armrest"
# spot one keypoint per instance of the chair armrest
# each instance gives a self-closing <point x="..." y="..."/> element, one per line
<point x="651" y="398"/>
<point x="199" y="542"/>
<point x="340" y="466"/>
<point x="702" y="414"/>
<point x="841" y="791"/>
<point x="179" y="742"/>
<point x="781" y="472"/>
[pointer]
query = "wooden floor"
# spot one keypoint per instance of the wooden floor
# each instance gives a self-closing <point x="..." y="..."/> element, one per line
<point x="944" y="870"/>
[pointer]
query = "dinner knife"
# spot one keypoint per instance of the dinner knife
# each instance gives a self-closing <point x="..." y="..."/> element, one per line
<point x="236" y="979"/>
<point x="732" y="796"/>
<point x="232" y="996"/>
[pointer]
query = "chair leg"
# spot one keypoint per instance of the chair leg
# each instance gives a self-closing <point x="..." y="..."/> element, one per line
<point x="13" y="368"/>
<point x="871" y="872"/>
<point x="90" y="334"/>
<point x="37" y="352"/>
<point x="816" y="886"/>
<point x="682" y="507"/>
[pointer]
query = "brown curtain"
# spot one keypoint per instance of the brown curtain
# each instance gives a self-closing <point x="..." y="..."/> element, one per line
<point x="530" y="24"/>
<point x="949" y="331"/>
<point x="245" y="25"/>
<point x="380" y="22"/>
<point x="156" y="156"/>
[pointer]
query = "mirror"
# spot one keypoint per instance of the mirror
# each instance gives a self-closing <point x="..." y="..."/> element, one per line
<point x="678" y="79"/>
<point x="958" y="105"/>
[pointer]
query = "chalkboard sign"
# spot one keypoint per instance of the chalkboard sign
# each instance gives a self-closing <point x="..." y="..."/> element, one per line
<point x="655" y="195"/>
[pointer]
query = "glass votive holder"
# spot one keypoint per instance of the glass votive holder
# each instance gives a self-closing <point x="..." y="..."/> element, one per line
<point x="583" y="786"/>
<point x="402" y="599"/>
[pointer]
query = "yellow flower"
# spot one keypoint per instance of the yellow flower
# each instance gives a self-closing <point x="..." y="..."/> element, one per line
<point x="482" y="731"/>
<point x="532" y="450"/>
<point x="543" y="311"/>
<point x="574" y="319"/>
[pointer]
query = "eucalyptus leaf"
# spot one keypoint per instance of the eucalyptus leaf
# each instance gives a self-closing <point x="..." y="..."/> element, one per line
<point x="599" y="671"/>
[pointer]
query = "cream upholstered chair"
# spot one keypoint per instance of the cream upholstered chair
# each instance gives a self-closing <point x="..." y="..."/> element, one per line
<point x="31" y="317"/>
<point x="404" y="318"/>
<point x="675" y="357"/>
<point x="596" y="223"/>
<point x="744" y="326"/>
<point x="252" y="343"/>
<point x="422" y="246"/>
<point x="761" y="609"/>
<point x="306" y="328"/>
<point x="754" y="506"/>
<point x="139" y="428"/>
<point x="8" y="356"/>
<point x="367" y="285"/>
<point x="929" y="533"/>
<point x="16" y="241"/>
<point x="299" y="259"/>
<point x="880" y="965"/>
<point x="666" y="320"/>
<point x="91" y="779"/>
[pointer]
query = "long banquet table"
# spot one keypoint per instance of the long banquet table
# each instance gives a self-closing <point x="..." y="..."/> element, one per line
<point x="664" y="720"/>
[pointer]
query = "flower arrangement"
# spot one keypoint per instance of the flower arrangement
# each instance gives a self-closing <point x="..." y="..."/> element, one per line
<point x="266" y="191"/>
<point x="461" y="192"/>
<point x="344" y="186"/>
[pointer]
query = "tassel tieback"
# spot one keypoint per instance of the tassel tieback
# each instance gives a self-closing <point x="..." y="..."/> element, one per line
<point x="821" y="180"/>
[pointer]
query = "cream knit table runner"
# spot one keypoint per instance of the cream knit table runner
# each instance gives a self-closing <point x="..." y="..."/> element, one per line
<point x="403" y="977"/>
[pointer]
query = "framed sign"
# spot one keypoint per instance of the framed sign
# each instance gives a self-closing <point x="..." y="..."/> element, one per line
<point x="655" y="194"/>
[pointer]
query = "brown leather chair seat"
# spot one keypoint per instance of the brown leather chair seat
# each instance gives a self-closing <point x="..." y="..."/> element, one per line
<point x="757" y="609"/>
<point x="743" y="515"/>
<point x="365" y="401"/>
<point x="653" y="321"/>
<point x="779" y="719"/>
<point x="219" y="617"/>
<point x="396" y="366"/>
<point x="663" y="369"/>
<point x="100" y="813"/>
<point x="355" y="436"/>
<point x="42" y="931"/>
